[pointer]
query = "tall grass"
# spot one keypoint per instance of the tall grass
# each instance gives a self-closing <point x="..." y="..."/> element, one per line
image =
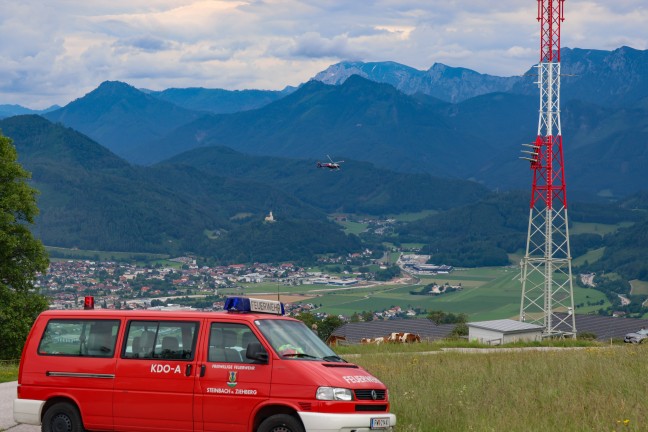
<point x="591" y="388"/>
<point x="586" y="389"/>
<point x="8" y="370"/>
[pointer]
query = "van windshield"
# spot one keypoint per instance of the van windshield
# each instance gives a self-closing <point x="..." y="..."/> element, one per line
<point x="292" y="339"/>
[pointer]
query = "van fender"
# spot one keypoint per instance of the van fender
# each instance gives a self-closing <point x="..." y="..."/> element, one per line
<point x="62" y="398"/>
<point x="267" y="408"/>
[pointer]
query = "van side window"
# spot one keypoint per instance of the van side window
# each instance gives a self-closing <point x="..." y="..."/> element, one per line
<point x="170" y="340"/>
<point x="80" y="338"/>
<point x="228" y="342"/>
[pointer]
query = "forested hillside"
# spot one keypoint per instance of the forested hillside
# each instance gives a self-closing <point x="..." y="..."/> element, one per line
<point x="484" y="233"/>
<point x="91" y="199"/>
<point x="118" y="116"/>
<point x="358" y="187"/>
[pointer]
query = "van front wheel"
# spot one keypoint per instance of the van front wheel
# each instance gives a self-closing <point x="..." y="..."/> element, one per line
<point x="62" y="417"/>
<point x="280" y="423"/>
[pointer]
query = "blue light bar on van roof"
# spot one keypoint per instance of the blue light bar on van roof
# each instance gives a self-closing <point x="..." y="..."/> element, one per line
<point x="245" y="304"/>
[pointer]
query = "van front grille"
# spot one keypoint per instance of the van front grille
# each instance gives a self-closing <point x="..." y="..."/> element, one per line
<point x="369" y="394"/>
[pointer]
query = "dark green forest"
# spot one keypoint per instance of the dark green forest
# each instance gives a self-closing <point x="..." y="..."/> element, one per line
<point x="484" y="233"/>
<point x="212" y="202"/>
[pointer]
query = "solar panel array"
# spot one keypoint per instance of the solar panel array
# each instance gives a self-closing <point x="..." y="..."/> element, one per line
<point x="604" y="327"/>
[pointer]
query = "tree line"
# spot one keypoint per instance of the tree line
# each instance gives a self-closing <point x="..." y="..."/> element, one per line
<point x="21" y="255"/>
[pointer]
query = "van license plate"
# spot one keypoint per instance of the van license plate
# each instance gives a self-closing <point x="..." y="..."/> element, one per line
<point x="380" y="423"/>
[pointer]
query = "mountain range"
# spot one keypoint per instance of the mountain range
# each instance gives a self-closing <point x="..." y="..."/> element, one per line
<point x="609" y="78"/>
<point x="449" y="122"/>
<point x="219" y="101"/>
<point x="207" y="203"/>
<point x="197" y="170"/>
<point x="213" y="201"/>
<point x="9" y="110"/>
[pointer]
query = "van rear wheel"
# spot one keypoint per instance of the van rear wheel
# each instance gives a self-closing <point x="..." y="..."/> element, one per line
<point x="281" y="423"/>
<point x="62" y="417"/>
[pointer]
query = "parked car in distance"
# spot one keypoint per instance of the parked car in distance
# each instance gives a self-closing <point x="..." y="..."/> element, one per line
<point x="636" y="337"/>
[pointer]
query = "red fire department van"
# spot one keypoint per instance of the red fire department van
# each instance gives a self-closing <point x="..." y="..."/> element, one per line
<point x="248" y="368"/>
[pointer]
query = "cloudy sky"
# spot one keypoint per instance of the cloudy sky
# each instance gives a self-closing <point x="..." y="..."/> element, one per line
<point x="54" y="51"/>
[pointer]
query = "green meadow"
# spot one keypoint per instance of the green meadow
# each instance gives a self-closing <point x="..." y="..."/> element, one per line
<point x="487" y="293"/>
<point x="597" y="388"/>
<point x="8" y="370"/>
<point x="68" y="253"/>
<point x="596" y="228"/>
<point x="353" y="227"/>
<point x="639" y="287"/>
<point x="439" y="388"/>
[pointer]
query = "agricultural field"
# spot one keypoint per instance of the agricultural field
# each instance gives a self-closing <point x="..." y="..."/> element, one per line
<point x="639" y="287"/>
<point x="487" y="293"/>
<point x="590" y="257"/>
<point x="66" y="253"/>
<point x="596" y="228"/>
<point x="353" y="227"/>
<point x="409" y="217"/>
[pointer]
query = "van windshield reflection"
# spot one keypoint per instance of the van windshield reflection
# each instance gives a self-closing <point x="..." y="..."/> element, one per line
<point x="292" y="339"/>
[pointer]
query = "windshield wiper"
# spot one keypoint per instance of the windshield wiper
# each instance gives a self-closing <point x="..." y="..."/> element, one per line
<point x="299" y="355"/>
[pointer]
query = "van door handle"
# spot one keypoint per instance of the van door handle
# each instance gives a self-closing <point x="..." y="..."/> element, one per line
<point x="203" y="368"/>
<point x="188" y="370"/>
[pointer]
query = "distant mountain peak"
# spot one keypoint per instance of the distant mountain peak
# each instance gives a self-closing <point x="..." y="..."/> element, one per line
<point x="114" y="84"/>
<point x="338" y="73"/>
<point x="451" y="84"/>
<point x="139" y="117"/>
<point x="116" y="88"/>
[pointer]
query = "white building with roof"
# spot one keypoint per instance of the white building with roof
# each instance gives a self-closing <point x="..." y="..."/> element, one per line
<point x="498" y="332"/>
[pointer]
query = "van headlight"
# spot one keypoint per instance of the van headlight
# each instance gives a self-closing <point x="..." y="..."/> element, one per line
<point x="334" y="393"/>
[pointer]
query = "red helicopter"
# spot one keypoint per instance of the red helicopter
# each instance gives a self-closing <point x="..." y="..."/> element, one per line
<point x="330" y="165"/>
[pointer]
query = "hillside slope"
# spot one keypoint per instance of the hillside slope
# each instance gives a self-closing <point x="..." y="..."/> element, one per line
<point x="92" y="199"/>
<point x="119" y="116"/>
<point x="358" y="187"/>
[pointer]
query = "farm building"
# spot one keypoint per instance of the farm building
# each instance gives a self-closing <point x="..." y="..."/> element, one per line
<point x="498" y="332"/>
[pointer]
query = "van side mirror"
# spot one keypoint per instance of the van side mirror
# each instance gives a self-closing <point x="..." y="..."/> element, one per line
<point x="255" y="351"/>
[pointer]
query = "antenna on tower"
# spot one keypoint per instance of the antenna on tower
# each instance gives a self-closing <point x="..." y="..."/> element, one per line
<point x="546" y="273"/>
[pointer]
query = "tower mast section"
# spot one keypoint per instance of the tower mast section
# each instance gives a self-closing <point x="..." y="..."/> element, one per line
<point x="546" y="273"/>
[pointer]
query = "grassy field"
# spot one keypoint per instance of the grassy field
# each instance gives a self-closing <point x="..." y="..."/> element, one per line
<point x="66" y="253"/>
<point x="353" y="227"/>
<point x="591" y="257"/>
<point x="596" y="388"/>
<point x="409" y="217"/>
<point x="487" y="293"/>
<point x="596" y="228"/>
<point x="639" y="287"/>
<point x="587" y="389"/>
<point x="8" y="370"/>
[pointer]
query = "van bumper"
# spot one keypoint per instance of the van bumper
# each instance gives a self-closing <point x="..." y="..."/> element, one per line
<point x="329" y="422"/>
<point x="28" y="411"/>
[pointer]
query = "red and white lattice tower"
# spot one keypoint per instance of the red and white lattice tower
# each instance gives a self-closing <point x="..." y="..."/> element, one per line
<point x="546" y="273"/>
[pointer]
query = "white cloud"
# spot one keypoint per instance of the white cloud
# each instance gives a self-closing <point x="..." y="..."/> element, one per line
<point x="312" y="44"/>
<point x="53" y="52"/>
